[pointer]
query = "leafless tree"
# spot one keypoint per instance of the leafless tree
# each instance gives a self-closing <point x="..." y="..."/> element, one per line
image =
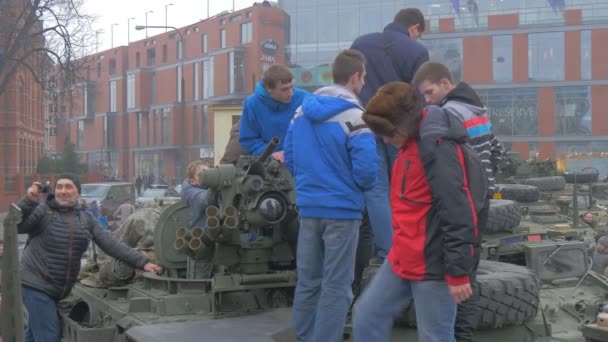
<point x="44" y="37"/>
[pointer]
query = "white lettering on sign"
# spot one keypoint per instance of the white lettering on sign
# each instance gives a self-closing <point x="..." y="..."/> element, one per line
<point x="268" y="59"/>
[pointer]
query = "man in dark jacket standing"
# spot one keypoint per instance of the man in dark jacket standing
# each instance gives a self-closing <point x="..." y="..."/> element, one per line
<point x="434" y="80"/>
<point x="392" y="55"/>
<point x="59" y="234"/>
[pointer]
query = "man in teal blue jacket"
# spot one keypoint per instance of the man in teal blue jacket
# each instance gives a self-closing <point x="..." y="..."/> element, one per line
<point x="332" y="155"/>
<point x="267" y="112"/>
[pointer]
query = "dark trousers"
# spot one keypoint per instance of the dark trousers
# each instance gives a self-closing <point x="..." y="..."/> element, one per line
<point x="467" y="314"/>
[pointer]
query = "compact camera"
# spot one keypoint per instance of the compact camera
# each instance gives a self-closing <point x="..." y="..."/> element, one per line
<point x="46" y="188"/>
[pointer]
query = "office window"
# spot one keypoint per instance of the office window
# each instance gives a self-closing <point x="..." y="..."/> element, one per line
<point x="236" y="72"/>
<point x="105" y="132"/>
<point x="502" y="58"/>
<point x="139" y="128"/>
<point x="447" y="51"/>
<point x="154" y="118"/>
<point x="165" y="53"/>
<point x="179" y="83"/>
<point x="112" y="96"/>
<point x="348" y="24"/>
<point x="166" y="125"/>
<point x="246" y="32"/>
<point x="586" y="55"/>
<point x="80" y="136"/>
<point x="222" y="38"/>
<point x="151" y="56"/>
<point x="512" y="111"/>
<point x="546" y="56"/>
<point x="305" y="30"/>
<point x="204" y="43"/>
<point x="195" y="125"/>
<point x="573" y="110"/>
<point x="131" y="91"/>
<point x="112" y="66"/>
<point x="208" y="81"/>
<point x="326" y="26"/>
<point x="195" y="78"/>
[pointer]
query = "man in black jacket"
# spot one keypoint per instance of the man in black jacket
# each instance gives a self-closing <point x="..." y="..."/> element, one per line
<point x="391" y="55"/>
<point x="59" y="233"/>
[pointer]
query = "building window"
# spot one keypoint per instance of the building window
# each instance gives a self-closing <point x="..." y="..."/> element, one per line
<point x="195" y="125"/>
<point x="246" y="32"/>
<point x="153" y="86"/>
<point x="98" y="69"/>
<point x="137" y="60"/>
<point x="113" y="96"/>
<point x="502" y="58"/>
<point x="208" y="82"/>
<point x="165" y="53"/>
<point x="151" y="56"/>
<point x="105" y="132"/>
<point x="249" y="15"/>
<point x="112" y="66"/>
<point x="512" y="111"/>
<point x="222" y="38"/>
<point x="131" y="91"/>
<point x="80" y="135"/>
<point x="546" y="56"/>
<point x="572" y="110"/>
<point x="586" y="55"/>
<point x="179" y="83"/>
<point x="204" y="43"/>
<point x="180" y="50"/>
<point x="447" y="51"/>
<point x="235" y="18"/>
<point x="139" y="128"/>
<point x="222" y="21"/>
<point x="166" y="125"/>
<point x="305" y="30"/>
<point x="195" y="78"/>
<point x="236" y="72"/>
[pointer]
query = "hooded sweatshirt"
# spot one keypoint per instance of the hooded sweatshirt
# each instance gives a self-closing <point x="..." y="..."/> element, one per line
<point x="332" y="154"/>
<point x="264" y="118"/>
<point x="463" y="102"/>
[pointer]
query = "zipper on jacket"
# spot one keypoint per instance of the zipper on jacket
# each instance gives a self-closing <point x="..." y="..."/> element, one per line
<point x="407" y="167"/>
<point x="70" y="240"/>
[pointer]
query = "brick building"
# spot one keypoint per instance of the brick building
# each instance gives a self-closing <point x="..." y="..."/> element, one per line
<point x="541" y="71"/>
<point x="22" y="101"/>
<point x="126" y="116"/>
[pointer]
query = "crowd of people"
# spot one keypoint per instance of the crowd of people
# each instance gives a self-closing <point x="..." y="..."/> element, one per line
<point x="395" y="139"/>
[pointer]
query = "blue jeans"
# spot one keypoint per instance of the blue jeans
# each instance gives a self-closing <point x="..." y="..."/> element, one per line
<point x="43" y="320"/>
<point x="386" y="298"/>
<point x="377" y="199"/>
<point x="325" y="265"/>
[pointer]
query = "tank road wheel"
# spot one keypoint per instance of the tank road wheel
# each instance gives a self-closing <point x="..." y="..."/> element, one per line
<point x="547" y="183"/>
<point x="508" y="295"/>
<point x="504" y="215"/>
<point x="518" y="192"/>
<point x="175" y="216"/>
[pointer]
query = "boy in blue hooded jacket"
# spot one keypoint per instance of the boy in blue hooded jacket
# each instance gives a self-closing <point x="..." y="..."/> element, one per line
<point x="267" y="113"/>
<point x="332" y="155"/>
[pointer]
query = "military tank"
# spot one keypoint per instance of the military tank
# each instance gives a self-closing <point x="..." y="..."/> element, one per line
<point x="249" y="237"/>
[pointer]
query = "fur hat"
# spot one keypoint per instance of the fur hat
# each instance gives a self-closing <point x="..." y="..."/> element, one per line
<point x="395" y="106"/>
<point x="74" y="178"/>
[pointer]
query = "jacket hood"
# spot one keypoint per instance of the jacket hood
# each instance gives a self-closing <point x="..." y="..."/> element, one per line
<point x="272" y="104"/>
<point x="328" y="102"/>
<point x="466" y="96"/>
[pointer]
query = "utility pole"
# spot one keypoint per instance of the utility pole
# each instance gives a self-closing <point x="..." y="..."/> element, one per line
<point x="166" y="23"/>
<point x="112" y="34"/>
<point x="129" y="30"/>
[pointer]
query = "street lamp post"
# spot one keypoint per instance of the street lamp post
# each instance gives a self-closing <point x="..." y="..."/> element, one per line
<point x="112" y="35"/>
<point x="146" y="26"/>
<point x="129" y="30"/>
<point x="182" y="100"/>
<point x="166" y="23"/>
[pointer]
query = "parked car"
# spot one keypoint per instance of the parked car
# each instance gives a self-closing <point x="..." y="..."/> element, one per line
<point x="151" y="194"/>
<point x="109" y="195"/>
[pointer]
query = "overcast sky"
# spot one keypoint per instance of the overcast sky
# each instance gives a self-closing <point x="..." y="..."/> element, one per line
<point x="182" y="13"/>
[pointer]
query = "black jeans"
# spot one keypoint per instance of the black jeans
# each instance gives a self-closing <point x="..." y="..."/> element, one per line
<point x="467" y="314"/>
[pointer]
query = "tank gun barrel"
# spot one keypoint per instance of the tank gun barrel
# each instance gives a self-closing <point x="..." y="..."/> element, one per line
<point x="274" y="142"/>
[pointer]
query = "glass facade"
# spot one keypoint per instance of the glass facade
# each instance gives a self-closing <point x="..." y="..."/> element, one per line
<point x="447" y="51"/>
<point x="546" y="56"/>
<point x="573" y="111"/>
<point x="586" y="55"/>
<point x="513" y="112"/>
<point x="502" y="58"/>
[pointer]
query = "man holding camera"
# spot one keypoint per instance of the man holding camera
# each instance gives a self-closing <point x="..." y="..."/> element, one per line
<point x="59" y="233"/>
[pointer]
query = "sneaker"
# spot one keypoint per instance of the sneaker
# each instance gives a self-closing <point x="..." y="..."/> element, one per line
<point x="376" y="261"/>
